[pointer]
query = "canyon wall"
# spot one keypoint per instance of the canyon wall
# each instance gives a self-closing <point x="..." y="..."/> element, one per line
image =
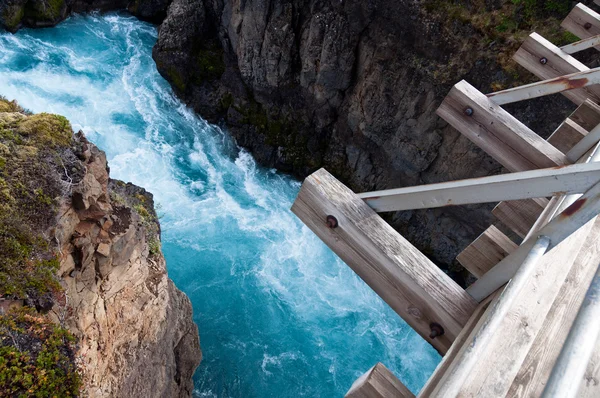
<point x="81" y="256"/>
<point x="353" y="87"/>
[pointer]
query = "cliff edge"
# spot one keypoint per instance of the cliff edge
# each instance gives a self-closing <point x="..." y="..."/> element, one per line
<point x="83" y="258"/>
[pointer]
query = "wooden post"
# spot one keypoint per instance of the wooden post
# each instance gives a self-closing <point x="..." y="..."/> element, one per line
<point x="582" y="21"/>
<point x="520" y="215"/>
<point x="496" y="131"/>
<point x="486" y="251"/>
<point x="400" y="274"/>
<point x="547" y="61"/>
<point x="378" y="382"/>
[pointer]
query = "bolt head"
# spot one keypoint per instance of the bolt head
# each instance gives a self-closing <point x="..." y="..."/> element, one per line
<point x="436" y="330"/>
<point x="331" y="221"/>
<point x="587" y="25"/>
<point x="469" y="111"/>
<point x="543" y="60"/>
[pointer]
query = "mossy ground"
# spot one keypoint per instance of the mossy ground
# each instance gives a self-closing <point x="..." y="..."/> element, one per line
<point x="501" y="31"/>
<point x="36" y="357"/>
<point x="35" y="154"/>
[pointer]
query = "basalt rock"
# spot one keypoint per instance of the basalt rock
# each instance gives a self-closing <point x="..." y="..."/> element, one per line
<point x="351" y="86"/>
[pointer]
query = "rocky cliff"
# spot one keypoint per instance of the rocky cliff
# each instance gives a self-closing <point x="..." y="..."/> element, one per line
<point x="353" y="86"/>
<point x="84" y="250"/>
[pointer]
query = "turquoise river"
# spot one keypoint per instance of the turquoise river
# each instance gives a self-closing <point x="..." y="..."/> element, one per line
<point x="279" y="314"/>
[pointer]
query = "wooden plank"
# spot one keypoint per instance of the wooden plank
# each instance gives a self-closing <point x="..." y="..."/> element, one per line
<point x="567" y="135"/>
<point x="497" y="132"/>
<point x="486" y="251"/>
<point x="557" y="63"/>
<point x="590" y="387"/>
<point x="537" y="365"/>
<point x="547" y="87"/>
<point x="581" y="45"/>
<point x="587" y="115"/>
<point x="574" y="178"/>
<point x="560" y="228"/>
<point x="499" y="361"/>
<point x="459" y="344"/>
<point x="582" y="21"/>
<point x="378" y="382"/>
<point x="399" y="273"/>
<point x="519" y="215"/>
<point x="584" y="145"/>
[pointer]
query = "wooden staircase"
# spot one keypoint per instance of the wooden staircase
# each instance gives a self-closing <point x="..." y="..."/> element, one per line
<point x="501" y="336"/>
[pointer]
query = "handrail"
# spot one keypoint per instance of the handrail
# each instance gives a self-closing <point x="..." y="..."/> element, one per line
<point x="581" y="45"/>
<point x="569" y="369"/>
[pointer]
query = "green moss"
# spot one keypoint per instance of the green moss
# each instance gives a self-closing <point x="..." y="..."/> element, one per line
<point x="36" y="357"/>
<point x="209" y="63"/>
<point x="176" y="78"/>
<point x="45" y="11"/>
<point x="12" y="17"/>
<point x="9" y="106"/>
<point x="46" y="129"/>
<point x="154" y="247"/>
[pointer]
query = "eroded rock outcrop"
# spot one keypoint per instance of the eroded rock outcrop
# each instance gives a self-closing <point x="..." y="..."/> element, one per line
<point x="135" y="329"/>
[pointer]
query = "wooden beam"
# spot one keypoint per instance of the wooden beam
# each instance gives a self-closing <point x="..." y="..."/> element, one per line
<point x="567" y="135"/>
<point x="560" y="228"/>
<point x="547" y="61"/>
<point x="519" y="215"/>
<point x="496" y="131"/>
<point x="378" y="382"/>
<point x="486" y="251"/>
<point x="575" y="178"/>
<point x="582" y="21"/>
<point x="581" y="45"/>
<point x="584" y="145"/>
<point x="547" y="87"/>
<point x="587" y="115"/>
<point x="459" y="344"/>
<point x="399" y="273"/>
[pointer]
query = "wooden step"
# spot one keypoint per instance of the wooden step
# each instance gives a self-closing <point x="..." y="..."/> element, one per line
<point x="587" y="115"/>
<point x="486" y="251"/>
<point x="496" y="131"/>
<point x="576" y="126"/>
<point x="378" y="382"/>
<point x="556" y="63"/>
<point x="582" y="21"/>
<point x="519" y="215"/>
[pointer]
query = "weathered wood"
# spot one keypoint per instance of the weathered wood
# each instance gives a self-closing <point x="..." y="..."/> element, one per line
<point x="590" y="387"/>
<point x="497" y="132"/>
<point x="560" y="228"/>
<point x="556" y="85"/>
<point x="584" y="145"/>
<point x="557" y="63"/>
<point x="458" y="345"/>
<point x="399" y="273"/>
<point x="519" y="215"/>
<point x="486" y="251"/>
<point x="500" y="359"/>
<point x="581" y="45"/>
<point x="582" y="21"/>
<point x="537" y="365"/>
<point x="575" y="178"/>
<point x="567" y="135"/>
<point x="587" y="115"/>
<point x="378" y="382"/>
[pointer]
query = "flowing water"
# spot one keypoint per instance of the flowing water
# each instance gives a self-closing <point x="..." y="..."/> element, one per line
<point x="279" y="314"/>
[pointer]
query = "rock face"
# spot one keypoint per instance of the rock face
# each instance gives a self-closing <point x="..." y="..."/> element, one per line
<point x="351" y="86"/>
<point x="135" y="329"/>
<point x="41" y="13"/>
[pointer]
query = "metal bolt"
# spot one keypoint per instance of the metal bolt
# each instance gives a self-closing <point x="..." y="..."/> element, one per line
<point x="436" y="330"/>
<point x="469" y="111"/>
<point x="331" y="222"/>
<point x="587" y="25"/>
<point x="543" y="60"/>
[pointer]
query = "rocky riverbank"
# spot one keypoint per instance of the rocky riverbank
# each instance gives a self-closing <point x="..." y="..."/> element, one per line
<point x="82" y="251"/>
